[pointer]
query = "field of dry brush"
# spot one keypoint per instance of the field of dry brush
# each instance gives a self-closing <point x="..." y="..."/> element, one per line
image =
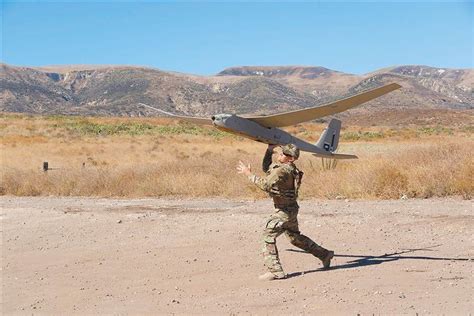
<point x="138" y="157"/>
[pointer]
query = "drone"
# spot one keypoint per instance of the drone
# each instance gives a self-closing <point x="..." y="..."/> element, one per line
<point x="266" y="129"/>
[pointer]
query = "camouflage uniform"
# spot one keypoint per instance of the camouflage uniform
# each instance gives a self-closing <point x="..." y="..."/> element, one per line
<point x="282" y="182"/>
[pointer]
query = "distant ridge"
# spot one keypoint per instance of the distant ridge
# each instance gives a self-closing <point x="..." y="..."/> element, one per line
<point x="303" y="72"/>
<point x="117" y="90"/>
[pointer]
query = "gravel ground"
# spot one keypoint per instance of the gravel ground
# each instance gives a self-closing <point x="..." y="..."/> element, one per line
<point x="202" y="256"/>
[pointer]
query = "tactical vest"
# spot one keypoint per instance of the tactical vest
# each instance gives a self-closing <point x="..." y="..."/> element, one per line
<point x="285" y="192"/>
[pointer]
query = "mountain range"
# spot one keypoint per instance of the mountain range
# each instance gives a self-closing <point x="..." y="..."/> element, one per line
<point x="119" y="90"/>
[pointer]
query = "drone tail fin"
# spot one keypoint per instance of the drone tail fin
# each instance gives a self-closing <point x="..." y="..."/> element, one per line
<point x="330" y="139"/>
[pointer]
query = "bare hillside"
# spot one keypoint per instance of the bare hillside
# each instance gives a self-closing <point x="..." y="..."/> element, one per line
<point x="118" y="90"/>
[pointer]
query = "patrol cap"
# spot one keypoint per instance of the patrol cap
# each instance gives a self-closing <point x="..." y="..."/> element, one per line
<point x="291" y="150"/>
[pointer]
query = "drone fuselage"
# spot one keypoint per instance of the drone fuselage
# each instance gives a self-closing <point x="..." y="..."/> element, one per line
<point x="269" y="135"/>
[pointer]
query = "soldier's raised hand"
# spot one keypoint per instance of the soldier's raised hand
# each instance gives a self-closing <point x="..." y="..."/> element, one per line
<point x="242" y="168"/>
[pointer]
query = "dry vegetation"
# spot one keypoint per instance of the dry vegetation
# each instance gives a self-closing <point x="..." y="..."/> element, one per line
<point x="157" y="157"/>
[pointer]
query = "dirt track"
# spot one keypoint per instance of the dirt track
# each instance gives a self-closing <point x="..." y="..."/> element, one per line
<point x="157" y="256"/>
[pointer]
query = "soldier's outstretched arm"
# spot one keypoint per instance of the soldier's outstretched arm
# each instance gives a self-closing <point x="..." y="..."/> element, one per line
<point x="264" y="183"/>
<point x="268" y="182"/>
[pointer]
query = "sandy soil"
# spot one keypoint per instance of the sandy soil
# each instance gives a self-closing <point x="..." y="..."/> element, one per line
<point x="163" y="256"/>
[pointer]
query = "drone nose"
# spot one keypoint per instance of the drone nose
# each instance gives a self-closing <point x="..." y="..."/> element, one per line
<point x="216" y="120"/>
<point x="219" y="120"/>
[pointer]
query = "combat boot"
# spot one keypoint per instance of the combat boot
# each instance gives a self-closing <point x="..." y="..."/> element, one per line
<point x="327" y="260"/>
<point x="269" y="276"/>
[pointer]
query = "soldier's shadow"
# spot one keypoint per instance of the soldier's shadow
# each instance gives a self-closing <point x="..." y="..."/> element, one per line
<point x="368" y="260"/>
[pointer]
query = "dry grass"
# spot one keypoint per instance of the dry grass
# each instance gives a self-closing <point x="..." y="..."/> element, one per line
<point x="158" y="157"/>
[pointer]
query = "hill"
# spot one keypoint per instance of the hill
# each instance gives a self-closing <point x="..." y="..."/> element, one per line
<point x="118" y="90"/>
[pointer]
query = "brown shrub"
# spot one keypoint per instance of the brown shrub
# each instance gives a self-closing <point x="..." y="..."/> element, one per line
<point x="389" y="182"/>
<point x="463" y="180"/>
<point x="204" y="165"/>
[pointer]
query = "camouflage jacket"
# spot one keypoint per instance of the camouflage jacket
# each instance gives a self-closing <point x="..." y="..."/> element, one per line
<point x="281" y="181"/>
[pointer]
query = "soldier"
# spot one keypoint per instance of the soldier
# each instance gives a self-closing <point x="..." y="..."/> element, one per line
<point x="282" y="182"/>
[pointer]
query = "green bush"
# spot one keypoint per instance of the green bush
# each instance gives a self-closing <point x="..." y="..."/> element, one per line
<point x="84" y="127"/>
<point x="362" y="135"/>
<point x="437" y="130"/>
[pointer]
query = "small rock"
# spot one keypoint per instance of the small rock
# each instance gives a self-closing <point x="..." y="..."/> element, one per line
<point x="119" y="221"/>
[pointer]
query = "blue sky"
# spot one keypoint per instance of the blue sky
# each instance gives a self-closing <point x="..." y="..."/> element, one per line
<point x="204" y="38"/>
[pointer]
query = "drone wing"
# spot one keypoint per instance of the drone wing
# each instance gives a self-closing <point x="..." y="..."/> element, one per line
<point x="191" y="119"/>
<point x="299" y="116"/>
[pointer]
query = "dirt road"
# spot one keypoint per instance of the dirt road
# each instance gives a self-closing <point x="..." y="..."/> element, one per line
<point x="163" y="256"/>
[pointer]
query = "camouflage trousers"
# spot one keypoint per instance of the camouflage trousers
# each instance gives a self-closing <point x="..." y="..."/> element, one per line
<point x="284" y="220"/>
